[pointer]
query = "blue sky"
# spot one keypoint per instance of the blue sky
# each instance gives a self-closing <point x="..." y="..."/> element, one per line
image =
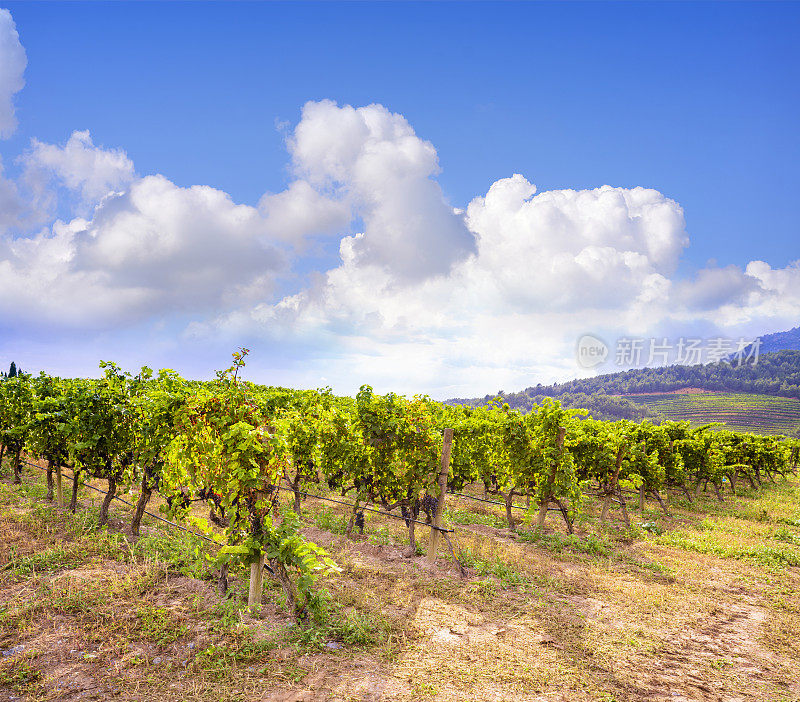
<point x="697" y="102"/>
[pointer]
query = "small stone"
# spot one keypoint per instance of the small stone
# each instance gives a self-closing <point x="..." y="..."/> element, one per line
<point x="157" y="660"/>
<point x="335" y="645"/>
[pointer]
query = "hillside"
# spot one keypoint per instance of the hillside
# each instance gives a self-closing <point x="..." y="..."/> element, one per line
<point x="781" y="341"/>
<point x="617" y="395"/>
<point x="775" y="374"/>
<point x="761" y="414"/>
<point x="697" y="604"/>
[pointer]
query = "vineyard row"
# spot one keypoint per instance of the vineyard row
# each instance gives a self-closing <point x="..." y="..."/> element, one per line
<point x="233" y="444"/>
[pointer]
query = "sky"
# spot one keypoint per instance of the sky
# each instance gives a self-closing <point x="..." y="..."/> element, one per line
<point x="434" y="198"/>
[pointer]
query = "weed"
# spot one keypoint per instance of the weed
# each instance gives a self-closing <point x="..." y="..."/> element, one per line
<point x="556" y="543"/>
<point x="159" y="625"/>
<point x="789" y="537"/>
<point x="653" y="528"/>
<point x="464" y="516"/>
<point x="328" y="520"/>
<point x="352" y="628"/>
<point x="492" y="565"/>
<point x="19" y="675"/>
<point x="422" y="689"/>
<point x="184" y="552"/>
<point x="357" y="629"/>
<point x="381" y="537"/>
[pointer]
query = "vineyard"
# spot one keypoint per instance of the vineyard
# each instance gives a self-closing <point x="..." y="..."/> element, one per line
<point x="315" y="517"/>
<point x="760" y="414"/>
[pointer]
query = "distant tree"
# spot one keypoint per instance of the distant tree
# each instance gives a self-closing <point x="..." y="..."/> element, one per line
<point x="12" y="371"/>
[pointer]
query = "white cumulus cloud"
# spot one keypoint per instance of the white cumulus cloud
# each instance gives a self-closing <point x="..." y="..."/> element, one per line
<point x="545" y="266"/>
<point x="12" y="70"/>
<point x="375" y="161"/>
<point x="568" y="249"/>
<point x="79" y="166"/>
<point x="11" y="205"/>
<point x="301" y="211"/>
<point x="150" y="252"/>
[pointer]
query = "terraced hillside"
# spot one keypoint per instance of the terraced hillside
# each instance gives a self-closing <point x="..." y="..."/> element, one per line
<point x="763" y="414"/>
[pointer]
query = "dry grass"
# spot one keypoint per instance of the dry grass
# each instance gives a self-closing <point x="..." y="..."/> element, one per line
<point x="703" y="606"/>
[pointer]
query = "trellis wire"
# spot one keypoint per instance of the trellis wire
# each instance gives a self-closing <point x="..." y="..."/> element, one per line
<point x="130" y="504"/>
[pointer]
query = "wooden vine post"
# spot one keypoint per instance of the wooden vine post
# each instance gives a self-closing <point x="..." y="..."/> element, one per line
<point x="256" y="575"/>
<point x="59" y="487"/>
<point x="447" y="447"/>
<point x="256" y="582"/>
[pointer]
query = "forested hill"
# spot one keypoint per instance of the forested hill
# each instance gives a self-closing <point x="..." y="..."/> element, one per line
<point x="773" y="374"/>
<point x="781" y="341"/>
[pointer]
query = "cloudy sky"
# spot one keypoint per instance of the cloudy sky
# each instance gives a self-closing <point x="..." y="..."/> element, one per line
<point x="435" y="198"/>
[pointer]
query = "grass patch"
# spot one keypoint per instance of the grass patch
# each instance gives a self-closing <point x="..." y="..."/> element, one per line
<point x="106" y="545"/>
<point x="772" y="557"/>
<point x="159" y="625"/>
<point x="331" y="521"/>
<point x="458" y="515"/>
<point x="495" y="566"/>
<point x="19" y="675"/>
<point x="185" y="553"/>
<point x="557" y="543"/>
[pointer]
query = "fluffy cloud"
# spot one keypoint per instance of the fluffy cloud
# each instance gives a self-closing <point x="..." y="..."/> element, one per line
<point x="567" y="249"/>
<point x="153" y="251"/>
<point x="79" y="166"/>
<point x="11" y="206"/>
<point x="545" y="266"/>
<point x="424" y="296"/>
<point x="12" y="69"/>
<point x="300" y="212"/>
<point x="374" y="160"/>
<point x="561" y="250"/>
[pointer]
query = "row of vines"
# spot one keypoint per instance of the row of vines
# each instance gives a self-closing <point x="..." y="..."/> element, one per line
<point x="233" y="445"/>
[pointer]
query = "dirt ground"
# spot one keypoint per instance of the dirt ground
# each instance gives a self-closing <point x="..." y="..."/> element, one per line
<point x="707" y="610"/>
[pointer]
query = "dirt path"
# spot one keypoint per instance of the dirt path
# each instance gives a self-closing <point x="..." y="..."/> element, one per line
<point x="721" y="660"/>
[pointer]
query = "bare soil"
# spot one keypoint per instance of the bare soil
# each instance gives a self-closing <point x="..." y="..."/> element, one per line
<point x="651" y="622"/>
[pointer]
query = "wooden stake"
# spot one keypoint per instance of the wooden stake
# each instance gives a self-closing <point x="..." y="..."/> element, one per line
<point x="447" y="447"/>
<point x="641" y="497"/>
<point x="256" y="580"/>
<point x="622" y="505"/>
<point x="59" y="487"/>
